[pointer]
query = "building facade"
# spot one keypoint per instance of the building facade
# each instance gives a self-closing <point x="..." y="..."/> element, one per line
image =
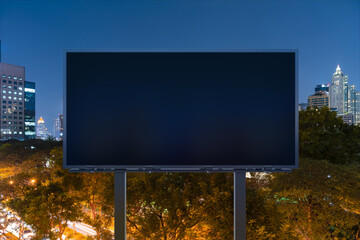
<point x="30" y="120"/>
<point x="12" y="101"/>
<point x="339" y="91"/>
<point x="59" y="127"/>
<point x="319" y="100"/>
<point x="41" y="130"/>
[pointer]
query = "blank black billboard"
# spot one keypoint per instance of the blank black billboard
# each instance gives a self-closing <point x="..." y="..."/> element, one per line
<point x="180" y="109"/>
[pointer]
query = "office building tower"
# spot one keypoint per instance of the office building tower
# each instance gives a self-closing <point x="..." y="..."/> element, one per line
<point x="12" y="101"/>
<point x="319" y="100"/>
<point x="321" y="97"/>
<point x="41" y="130"/>
<point x="348" y="118"/>
<point x="30" y="110"/>
<point x="339" y="91"/>
<point x="58" y="127"/>
<point x="357" y="107"/>
<point x="322" y="89"/>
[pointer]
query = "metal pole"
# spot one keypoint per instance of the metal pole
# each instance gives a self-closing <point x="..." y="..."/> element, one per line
<point x="120" y="205"/>
<point x="240" y="206"/>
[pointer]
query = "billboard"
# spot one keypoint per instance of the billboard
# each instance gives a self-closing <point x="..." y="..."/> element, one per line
<point x="180" y="110"/>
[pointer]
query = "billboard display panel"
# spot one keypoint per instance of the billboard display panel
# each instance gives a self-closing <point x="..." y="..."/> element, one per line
<point x="180" y="110"/>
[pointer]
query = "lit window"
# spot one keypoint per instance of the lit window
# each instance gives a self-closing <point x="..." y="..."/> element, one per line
<point x="4" y="91"/>
<point x="4" y="96"/>
<point x="9" y="77"/>
<point x="15" y="98"/>
<point x="9" y="86"/>
<point x="20" y="88"/>
<point x="9" y="97"/>
<point x="15" y="93"/>
<point x="9" y="122"/>
<point x="20" y="78"/>
<point x="20" y="98"/>
<point x="15" y="132"/>
<point x="9" y="92"/>
<point x="4" y="86"/>
<point x="4" y="76"/>
<point x="20" y="132"/>
<point x="20" y="93"/>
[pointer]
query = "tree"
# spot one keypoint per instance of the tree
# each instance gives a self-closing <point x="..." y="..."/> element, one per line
<point x="320" y="200"/>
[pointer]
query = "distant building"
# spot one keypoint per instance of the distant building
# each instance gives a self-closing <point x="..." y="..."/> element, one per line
<point x="319" y="100"/>
<point x="12" y="101"/>
<point x="303" y="106"/>
<point x="30" y="110"/>
<point x="339" y="91"/>
<point x="58" y="127"/>
<point x="348" y="118"/>
<point x="41" y="130"/>
<point x="322" y="89"/>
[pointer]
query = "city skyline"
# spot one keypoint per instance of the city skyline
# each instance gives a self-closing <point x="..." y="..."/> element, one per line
<point x="324" y="35"/>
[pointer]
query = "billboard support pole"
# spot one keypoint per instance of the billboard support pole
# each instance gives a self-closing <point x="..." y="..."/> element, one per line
<point x="239" y="205"/>
<point x="120" y="205"/>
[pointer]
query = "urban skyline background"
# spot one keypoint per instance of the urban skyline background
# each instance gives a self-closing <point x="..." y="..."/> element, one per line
<point x="35" y="33"/>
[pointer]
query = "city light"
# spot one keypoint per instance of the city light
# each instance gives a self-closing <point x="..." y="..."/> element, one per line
<point x="33" y="181"/>
<point x="11" y="182"/>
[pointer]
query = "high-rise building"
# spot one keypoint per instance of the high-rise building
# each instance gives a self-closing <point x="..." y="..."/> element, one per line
<point x="41" y="130"/>
<point x="30" y="110"/>
<point x="339" y="91"/>
<point x="12" y="101"/>
<point x="321" y="97"/>
<point x="58" y="127"/>
<point x="357" y="107"/>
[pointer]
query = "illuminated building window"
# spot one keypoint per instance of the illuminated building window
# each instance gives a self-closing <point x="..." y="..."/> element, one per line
<point x="20" y="132"/>
<point x="4" y="91"/>
<point x="20" y="88"/>
<point x="15" y="93"/>
<point x="20" y="98"/>
<point x="4" y="86"/>
<point x="9" y="97"/>
<point x="20" y="78"/>
<point x="9" y="122"/>
<point x="9" y="77"/>
<point x="20" y="93"/>
<point x="15" y="98"/>
<point x="4" y="76"/>
<point x="15" y="78"/>
<point x="4" y="96"/>
<point x="9" y="86"/>
<point x="9" y="92"/>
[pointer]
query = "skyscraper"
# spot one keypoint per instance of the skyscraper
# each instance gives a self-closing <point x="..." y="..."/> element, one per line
<point x="41" y="130"/>
<point x="12" y="101"/>
<point x="58" y="127"/>
<point x="29" y="110"/>
<point x="339" y="91"/>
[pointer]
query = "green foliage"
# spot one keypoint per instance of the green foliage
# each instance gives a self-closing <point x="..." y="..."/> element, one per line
<point x="323" y="135"/>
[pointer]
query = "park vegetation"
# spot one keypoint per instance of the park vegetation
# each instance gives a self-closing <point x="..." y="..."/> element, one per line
<point x="320" y="200"/>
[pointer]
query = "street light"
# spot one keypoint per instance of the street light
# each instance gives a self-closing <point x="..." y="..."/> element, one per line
<point x="11" y="182"/>
<point x="33" y="180"/>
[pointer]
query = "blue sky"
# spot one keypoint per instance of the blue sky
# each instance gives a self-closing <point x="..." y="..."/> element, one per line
<point x="35" y="33"/>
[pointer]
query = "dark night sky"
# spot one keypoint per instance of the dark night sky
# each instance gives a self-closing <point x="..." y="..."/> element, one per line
<point x="34" y="34"/>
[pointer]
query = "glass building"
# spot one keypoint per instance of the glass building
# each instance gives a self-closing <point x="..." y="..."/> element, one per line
<point x="29" y="116"/>
<point x="12" y="79"/>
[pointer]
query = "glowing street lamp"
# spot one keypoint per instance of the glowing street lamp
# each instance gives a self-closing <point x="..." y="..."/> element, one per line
<point x="33" y="181"/>
<point x="11" y="182"/>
